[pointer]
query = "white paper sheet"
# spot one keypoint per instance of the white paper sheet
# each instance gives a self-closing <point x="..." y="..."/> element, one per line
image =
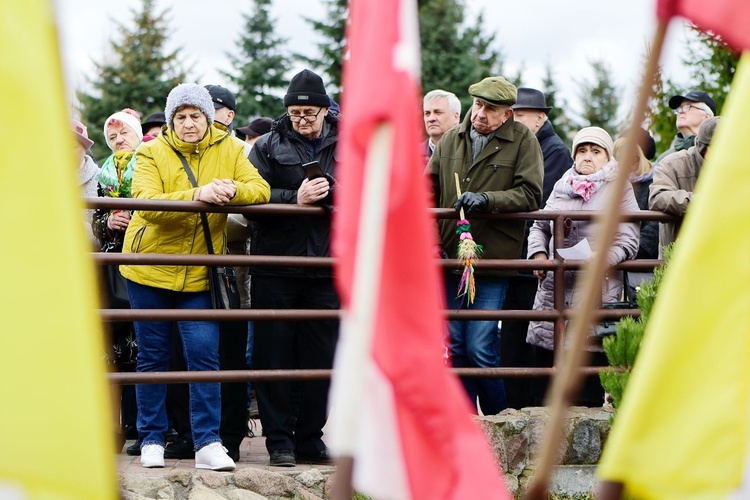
<point x="579" y="251"/>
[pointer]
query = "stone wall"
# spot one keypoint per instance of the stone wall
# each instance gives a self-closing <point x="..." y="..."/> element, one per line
<point x="516" y="436"/>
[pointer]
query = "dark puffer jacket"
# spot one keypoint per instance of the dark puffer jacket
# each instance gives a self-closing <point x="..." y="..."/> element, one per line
<point x="279" y="156"/>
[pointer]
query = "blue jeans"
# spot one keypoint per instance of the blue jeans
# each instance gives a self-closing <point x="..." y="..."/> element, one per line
<point x="200" y="340"/>
<point x="473" y="343"/>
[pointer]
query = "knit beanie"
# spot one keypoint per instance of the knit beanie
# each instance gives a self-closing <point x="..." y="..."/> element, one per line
<point x="306" y="89"/>
<point x="593" y="135"/>
<point x="189" y="94"/>
<point x="129" y="120"/>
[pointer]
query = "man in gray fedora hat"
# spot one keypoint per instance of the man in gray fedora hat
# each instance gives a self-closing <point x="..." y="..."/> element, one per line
<point x="530" y="109"/>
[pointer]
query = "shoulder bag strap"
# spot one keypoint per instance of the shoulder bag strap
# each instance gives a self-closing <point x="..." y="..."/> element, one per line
<point x="204" y="219"/>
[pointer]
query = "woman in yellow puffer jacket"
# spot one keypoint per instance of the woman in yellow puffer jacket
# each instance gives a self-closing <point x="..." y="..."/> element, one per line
<point x="224" y="177"/>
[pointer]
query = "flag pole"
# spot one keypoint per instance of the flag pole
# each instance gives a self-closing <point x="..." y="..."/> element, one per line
<point x="357" y="326"/>
<point x="566" y="383"/>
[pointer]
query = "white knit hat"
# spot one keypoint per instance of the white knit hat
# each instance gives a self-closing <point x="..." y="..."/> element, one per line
<point x="593" y="135"/>
<point x="129" y="120"/>
<point x="189" y="94"/>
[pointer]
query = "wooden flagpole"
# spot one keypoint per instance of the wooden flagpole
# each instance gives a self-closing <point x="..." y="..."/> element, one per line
<point x="566" y="383"/>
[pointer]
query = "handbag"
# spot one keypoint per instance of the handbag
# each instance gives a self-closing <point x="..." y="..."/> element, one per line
<point x="115" y="287"/>
<point x="222" y="281"/>
<point x="631" y="282"/>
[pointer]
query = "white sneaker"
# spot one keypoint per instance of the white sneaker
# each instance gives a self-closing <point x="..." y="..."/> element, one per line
<point x="213" y="456"/>
<point x="152" y="455"/>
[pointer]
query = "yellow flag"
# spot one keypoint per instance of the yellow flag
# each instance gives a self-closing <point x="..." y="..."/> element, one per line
<point x="55" y="423"/>
<point x="682" y="430"/>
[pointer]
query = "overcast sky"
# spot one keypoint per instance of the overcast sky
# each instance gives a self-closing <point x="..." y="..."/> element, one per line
<point x="568" y="34"/>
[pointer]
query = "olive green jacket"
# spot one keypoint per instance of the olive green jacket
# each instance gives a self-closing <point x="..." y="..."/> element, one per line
<point x="510" y="170"/>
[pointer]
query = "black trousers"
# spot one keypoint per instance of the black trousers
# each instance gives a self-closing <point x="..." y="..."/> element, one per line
<point x="515" y="352"/>
<point x="234" y="400"/>
<point x="293" y="413"/>
<point x="532" y="391"/>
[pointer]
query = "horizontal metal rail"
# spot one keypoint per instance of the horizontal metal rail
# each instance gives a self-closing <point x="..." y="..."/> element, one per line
<point x="559" y="315"/>
<point x="154" y="259"/>
<point x="276" y="375"/>
<point x="277" y="209"/>
<point x="334" y="314"/>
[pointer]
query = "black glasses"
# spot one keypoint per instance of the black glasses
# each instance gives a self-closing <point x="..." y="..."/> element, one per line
<point x="686" y="107"/>
<point x="297" y="117"/>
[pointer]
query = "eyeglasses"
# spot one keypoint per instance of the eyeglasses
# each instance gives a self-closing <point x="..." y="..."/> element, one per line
<point x="686" y="107"/>
<point x="297" y="117"/>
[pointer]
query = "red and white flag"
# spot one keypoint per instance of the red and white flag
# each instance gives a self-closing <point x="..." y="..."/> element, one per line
<point x="729" y="19"/>
<point x="396" y="408"/>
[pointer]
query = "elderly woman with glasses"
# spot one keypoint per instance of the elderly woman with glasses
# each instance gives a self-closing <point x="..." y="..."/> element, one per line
<point x="293" y="413"/>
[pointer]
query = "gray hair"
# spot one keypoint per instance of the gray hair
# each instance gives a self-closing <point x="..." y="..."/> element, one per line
<point x="454" y="105"/>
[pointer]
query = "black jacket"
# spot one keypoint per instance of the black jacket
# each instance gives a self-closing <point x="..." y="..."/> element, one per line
<point x="279" y="156"/>
<point x="649" y="246"/>
<point x="557" y="158"/>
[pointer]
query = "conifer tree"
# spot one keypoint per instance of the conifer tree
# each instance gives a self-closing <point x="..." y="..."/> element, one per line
<point x="332" y="31"/>
<point x="622" y="349"/>
<point x="260" y="67"/>
<point x="660" y="118"/>
<point x="455" y="54"/>
<point x="560" y="121"/>
<point x="139" y="73"/>
<point x="600" y="100"/>
<point x="712" y="64"/>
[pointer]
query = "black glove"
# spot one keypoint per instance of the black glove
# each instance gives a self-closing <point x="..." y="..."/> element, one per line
<point x="472" y="202"/>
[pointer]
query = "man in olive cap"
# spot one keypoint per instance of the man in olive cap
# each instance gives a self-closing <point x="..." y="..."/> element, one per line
<point x="500" y="169"/>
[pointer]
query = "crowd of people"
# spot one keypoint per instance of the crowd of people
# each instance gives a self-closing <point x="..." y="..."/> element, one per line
<point x="507" y="158"/>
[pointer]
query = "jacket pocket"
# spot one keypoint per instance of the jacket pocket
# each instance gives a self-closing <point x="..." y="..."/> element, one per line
<point x="136" y="243"/>
<point x="287" y="173"/>
<point x="500" y="174"/>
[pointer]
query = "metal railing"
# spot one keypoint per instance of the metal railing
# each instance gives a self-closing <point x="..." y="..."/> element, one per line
<point x="559" y="314"/>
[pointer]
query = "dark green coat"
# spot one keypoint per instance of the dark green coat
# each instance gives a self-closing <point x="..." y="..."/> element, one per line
<point x="510" y="170"/>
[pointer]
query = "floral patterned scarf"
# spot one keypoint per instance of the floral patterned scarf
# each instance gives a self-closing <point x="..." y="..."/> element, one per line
<point x="584" y="186"/>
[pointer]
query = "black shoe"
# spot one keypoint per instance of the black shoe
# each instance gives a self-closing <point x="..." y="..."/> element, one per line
<point x="131" y="432"/>
<point x="282" y="458"/>
<point x="320" y="458"/>
<point x="234" y="453"/>
<point x="182" y="449"/>
<point x="134" y="450"/>
<point x="171" y="435"/>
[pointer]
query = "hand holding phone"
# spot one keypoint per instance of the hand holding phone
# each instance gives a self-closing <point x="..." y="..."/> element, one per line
<point x="313" y="170"/>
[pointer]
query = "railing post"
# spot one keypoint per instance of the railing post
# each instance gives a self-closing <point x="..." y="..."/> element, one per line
<point x="558" y="282"/>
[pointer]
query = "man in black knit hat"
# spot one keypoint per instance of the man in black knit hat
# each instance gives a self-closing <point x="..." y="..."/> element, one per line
<point x="293" y="413"/>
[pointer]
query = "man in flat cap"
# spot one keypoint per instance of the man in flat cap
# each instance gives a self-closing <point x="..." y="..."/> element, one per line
<point x="530" y="109"/>
<point x="500" y="169"/>
<point x="691" y="109"/>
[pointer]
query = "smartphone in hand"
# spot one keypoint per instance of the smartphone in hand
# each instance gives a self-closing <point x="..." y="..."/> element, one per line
<point x="313" y="170"/>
